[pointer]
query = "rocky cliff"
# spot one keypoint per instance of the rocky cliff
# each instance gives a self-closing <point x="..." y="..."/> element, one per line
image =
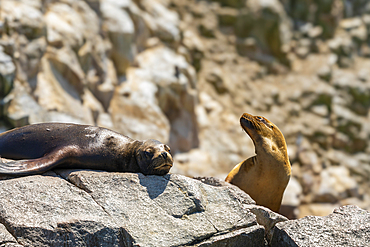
<point x="183" y="72"/>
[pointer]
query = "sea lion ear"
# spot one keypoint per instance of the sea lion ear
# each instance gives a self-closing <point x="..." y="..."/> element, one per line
<point x="167" y="148"/>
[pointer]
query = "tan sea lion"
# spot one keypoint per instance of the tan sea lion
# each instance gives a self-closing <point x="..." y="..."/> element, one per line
<point x="37" y="148"/>
<point x="264" y="176"/>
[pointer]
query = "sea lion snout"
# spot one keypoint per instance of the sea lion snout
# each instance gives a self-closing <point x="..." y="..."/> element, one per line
<point x="164" y="155"/>
<point x="156" y="158"/>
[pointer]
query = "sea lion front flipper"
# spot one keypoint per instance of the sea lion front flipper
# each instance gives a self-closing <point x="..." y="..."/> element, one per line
<point x="30" y="166"/>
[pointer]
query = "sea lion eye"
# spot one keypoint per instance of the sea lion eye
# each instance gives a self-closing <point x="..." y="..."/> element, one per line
<point x="148" y="152"/>
<point x="261" y="119"/>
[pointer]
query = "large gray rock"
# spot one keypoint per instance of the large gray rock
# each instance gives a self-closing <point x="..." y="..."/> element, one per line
<point x="346" y="226"/>
<point x="165" y="211"/>
<point x="92" y="208"/>
<point x="6" y="239"/>
<point x="49" y="211"/>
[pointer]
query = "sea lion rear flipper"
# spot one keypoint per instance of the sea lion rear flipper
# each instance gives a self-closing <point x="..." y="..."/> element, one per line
<point x="31" y="166"/>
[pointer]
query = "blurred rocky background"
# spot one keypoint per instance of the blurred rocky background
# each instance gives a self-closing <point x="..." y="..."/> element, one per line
<point x="184" y="71"/>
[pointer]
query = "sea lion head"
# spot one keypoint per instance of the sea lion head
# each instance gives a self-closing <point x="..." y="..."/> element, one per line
<point x="264" y="134"/>
<point x="154" y="158"/>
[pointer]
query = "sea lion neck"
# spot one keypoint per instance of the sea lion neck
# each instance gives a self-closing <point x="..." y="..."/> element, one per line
<point x="264" y="176"/>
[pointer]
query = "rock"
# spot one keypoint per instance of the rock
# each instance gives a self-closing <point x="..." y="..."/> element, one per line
<point x="227" y="16"/>
<point x="266" y="218"/>
<point x="243" y="237"/>
<point x="272" y="32"/>
<point x="56" y="93"/>
<point x="98" y="208"/>
<point x="231" y="3"/>
<point x="7" y="73"/>
<point x="70" y="24"/>
<point x="103" y="85"/>
<point x="324" y="73"/>
<point x="20" y="108"/>
<point x="336" y="184"/>
<point x="89" y="101"/>
<point x="346" y="226"/>
<point x="120" y="28"/>
<point x="33" y="53"/>
<point x="135" y="111"/>
<point x="172" y="207"/>
<point x="315" y="32"/>
<point x="176" y="95"/>
<point x="65" y="62"/>
<point x="24" y="17"/>
<point x="291" y="199"/>
<point x="310" y="161"/>
<point x="162" y="21"/>
<point x="181" y="72"/>
<point x="208" y="25"/>
<point x="188" y="163"/>
<point x="6" y="237"/>
<point x="317" y="209"/>
<point x="49" y="211"/>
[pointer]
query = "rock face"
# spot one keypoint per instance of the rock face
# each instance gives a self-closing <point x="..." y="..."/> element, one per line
<point x="346" y="226"/>
<point x="183" y="72"/>
<point x="92" y="208"/>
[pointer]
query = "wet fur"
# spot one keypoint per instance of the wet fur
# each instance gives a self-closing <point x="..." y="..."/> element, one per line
<point x="41" y="147"/>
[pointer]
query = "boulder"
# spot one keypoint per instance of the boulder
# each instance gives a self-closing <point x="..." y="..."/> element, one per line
<point x="6" y="239"/>
<point x="135" y="111"/>
<point x="95" y="208"/>
<point x="7" y="73"/>
<point x="56" y="92"/>
<point x="336" y="184"/>
<point x="20" y="108"/>
<point x="162" y="22"/>
<point x="176" y="83"/>
<point x="24" y="17"/>
<point x="70" y="24"/>
<point x="121" y="32"/>
<point x="346" y="226"/>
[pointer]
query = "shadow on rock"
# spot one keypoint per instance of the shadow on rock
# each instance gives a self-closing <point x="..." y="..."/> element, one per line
<point x="155" y="185"/>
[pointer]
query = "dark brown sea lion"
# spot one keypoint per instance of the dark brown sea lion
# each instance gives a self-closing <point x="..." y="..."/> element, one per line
<point x="264" y="176"/>
<point x="40" y="147"/>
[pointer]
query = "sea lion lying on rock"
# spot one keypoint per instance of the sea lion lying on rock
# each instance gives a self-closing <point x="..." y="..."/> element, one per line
<point x="264" y="176"/>
<point x="37" y="148"/>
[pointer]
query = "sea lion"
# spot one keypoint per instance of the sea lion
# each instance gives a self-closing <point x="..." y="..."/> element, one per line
<point x="264" y="176"/>
<point x="37" y="148"/>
